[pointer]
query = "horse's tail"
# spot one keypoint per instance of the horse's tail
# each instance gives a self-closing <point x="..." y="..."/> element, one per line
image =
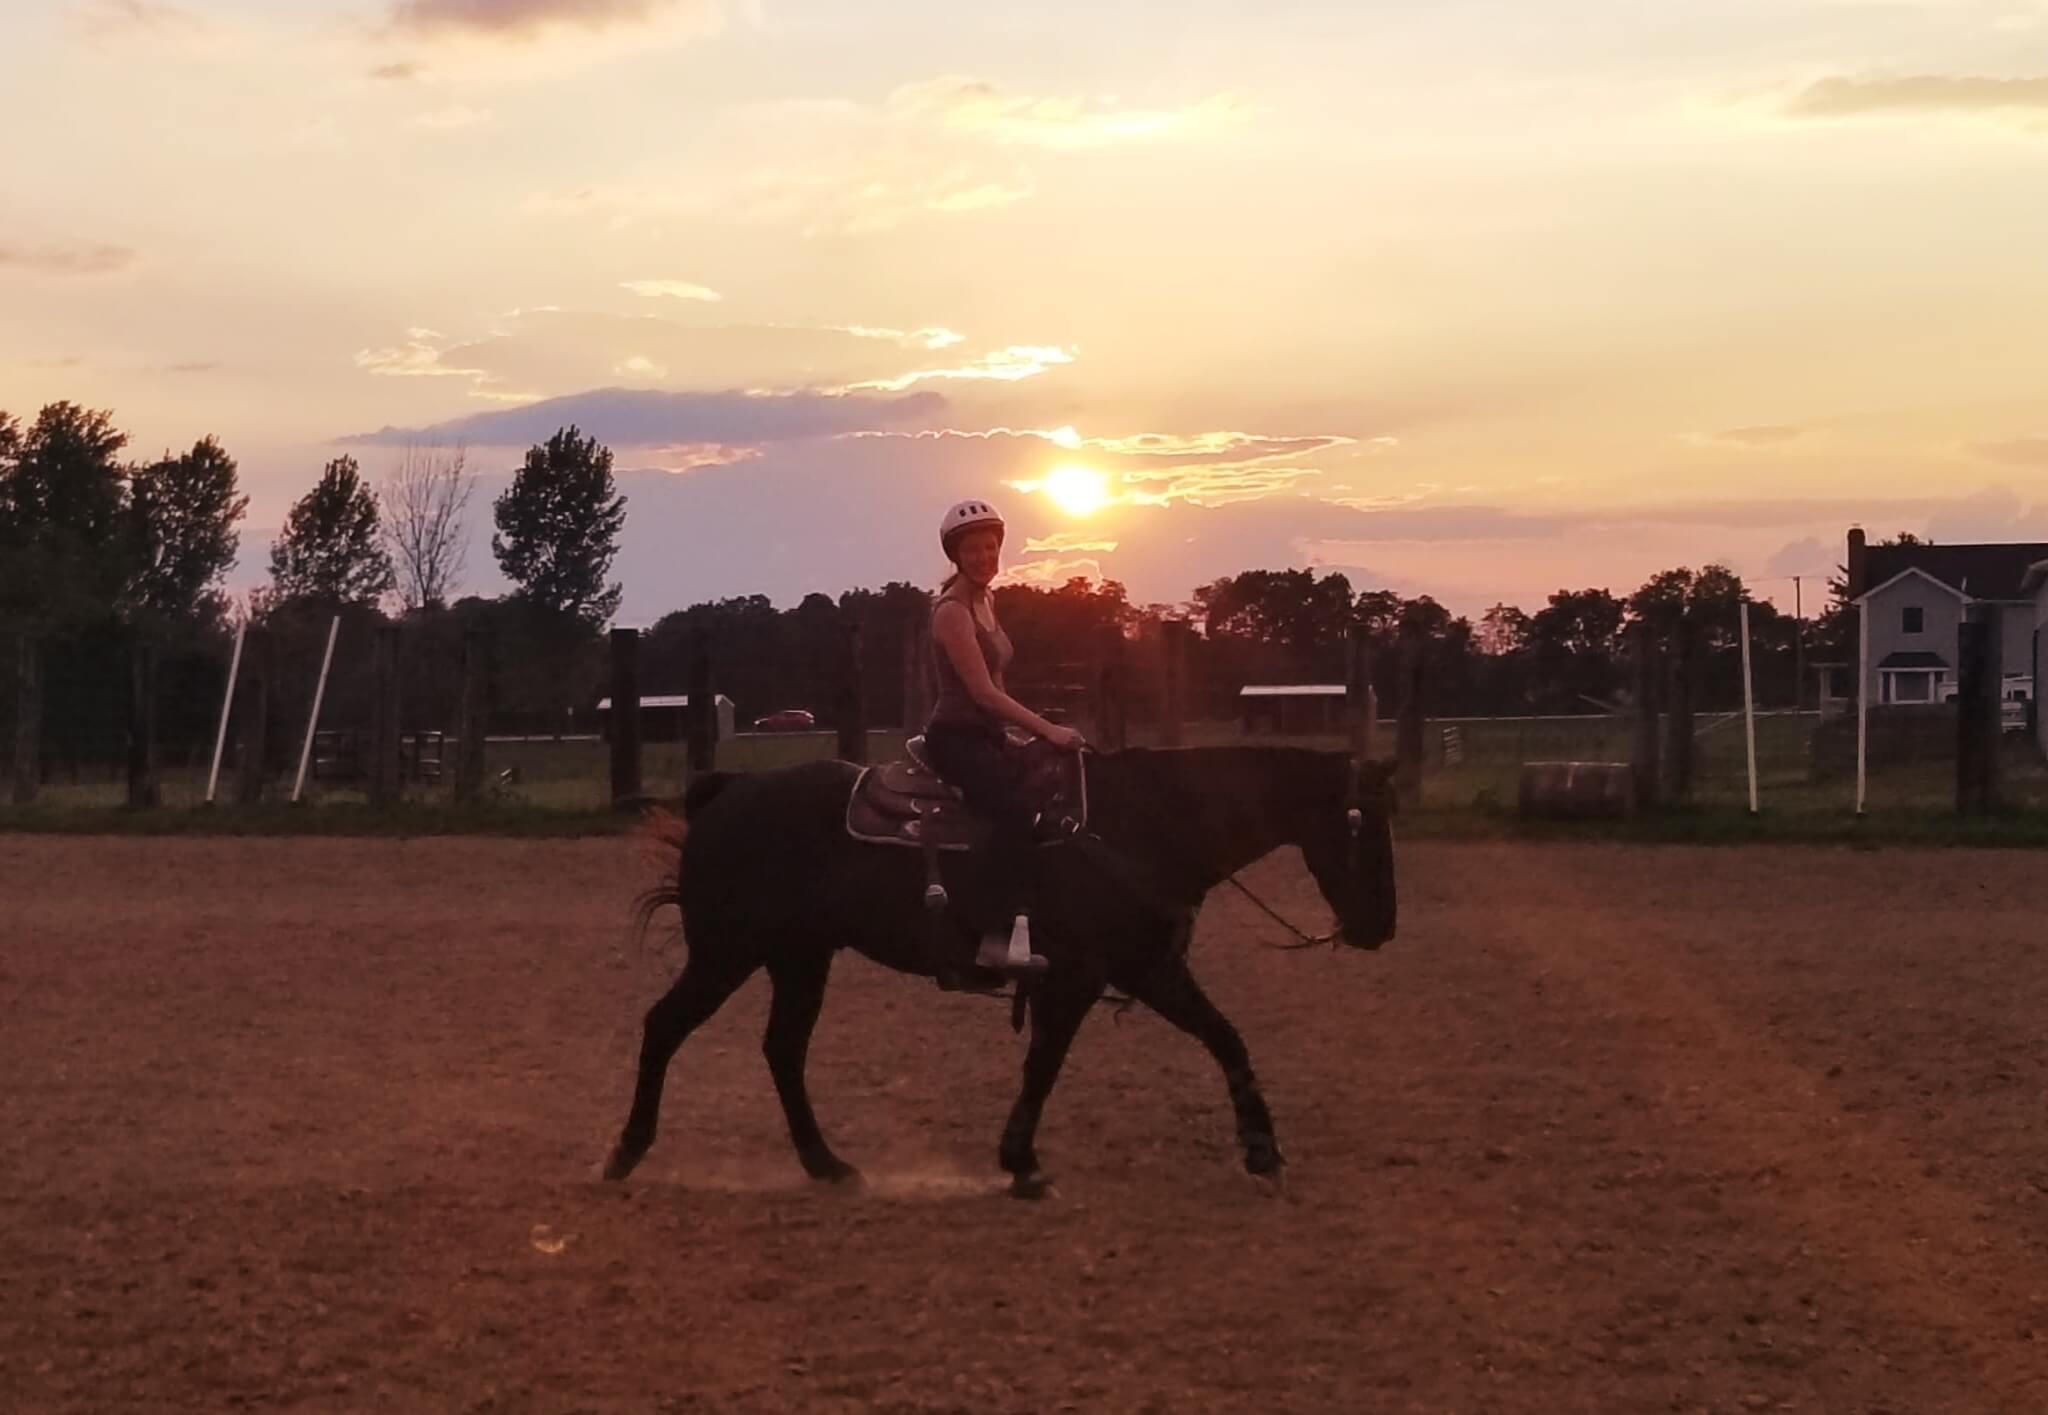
<point x="665" y="832"/>
<point x="662" y="832"/>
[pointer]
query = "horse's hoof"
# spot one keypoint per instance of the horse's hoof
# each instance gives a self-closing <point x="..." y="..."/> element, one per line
<point x="1035" y="1185"/>
<point x="839" y="1174"/>
<point x="1264" y="1159"/>
<point x="621" y="1164"/>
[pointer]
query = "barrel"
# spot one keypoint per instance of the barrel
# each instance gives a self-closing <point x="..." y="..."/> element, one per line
<point x="1577" y="790"/>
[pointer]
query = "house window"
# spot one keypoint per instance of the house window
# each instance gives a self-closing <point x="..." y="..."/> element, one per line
<point x="1915" y="619"/>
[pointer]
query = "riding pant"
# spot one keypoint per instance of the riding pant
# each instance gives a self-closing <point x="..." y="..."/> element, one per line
<point x="974" y="759"/>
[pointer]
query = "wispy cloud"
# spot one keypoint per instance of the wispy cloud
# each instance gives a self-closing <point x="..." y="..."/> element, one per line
<point x="2016" y="451"/>
<point x="1843" y="97"/>
<point x="1775" y="435"/>
<point x="976" y="106"/>
<point x="452" y="118"/>
<point x="1067" y="542"/>
<point x="958" y="147"/>
<point x="1005" y="365"/>
<point x="116" y="19"/>
<point x="1052" y="573"/>
<point x="524" y="19"/>
<point x="931" y="337"/>
<point x="627" y="417"/>
<point x="398" y="71"/>
<point x="67" y="257"/>
<point x="671" y="289"/>
<point x="420" y="356"/>
<point x="550" y="349"/>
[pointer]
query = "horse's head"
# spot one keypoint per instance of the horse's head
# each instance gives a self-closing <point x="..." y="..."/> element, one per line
<point x="1350" y="851"/>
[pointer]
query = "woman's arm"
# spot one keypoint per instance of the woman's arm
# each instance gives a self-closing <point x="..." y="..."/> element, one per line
<point x="953" y="628"/>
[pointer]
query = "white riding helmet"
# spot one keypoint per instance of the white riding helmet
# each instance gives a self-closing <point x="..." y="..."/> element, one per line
<point x="964" y="516"/>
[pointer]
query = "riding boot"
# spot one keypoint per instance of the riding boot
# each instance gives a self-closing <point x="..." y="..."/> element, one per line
<point x="1012" y="954"/>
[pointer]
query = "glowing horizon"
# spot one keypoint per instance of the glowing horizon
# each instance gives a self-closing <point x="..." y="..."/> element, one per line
<point x="1523" y="311"/>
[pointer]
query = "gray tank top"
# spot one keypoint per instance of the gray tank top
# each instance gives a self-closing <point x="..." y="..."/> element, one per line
<point x="952" y="704"/>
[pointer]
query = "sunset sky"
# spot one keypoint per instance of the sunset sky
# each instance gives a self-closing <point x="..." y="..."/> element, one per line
<point x="1469" y="299"/>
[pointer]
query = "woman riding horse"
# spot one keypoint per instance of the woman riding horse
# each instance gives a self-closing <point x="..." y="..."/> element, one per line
<point x="964" y="737"/>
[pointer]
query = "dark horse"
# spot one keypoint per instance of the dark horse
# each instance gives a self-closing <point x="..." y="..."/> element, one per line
<point x="769" y="878"/>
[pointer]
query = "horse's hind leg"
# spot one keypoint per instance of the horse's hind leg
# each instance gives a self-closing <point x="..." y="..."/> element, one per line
<point x="707" y="980"/>
<point x="1173" y="993"/>
<point x="799" y="981"/>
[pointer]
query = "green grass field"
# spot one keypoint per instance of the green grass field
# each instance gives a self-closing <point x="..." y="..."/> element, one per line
<point x="562" y="787"/>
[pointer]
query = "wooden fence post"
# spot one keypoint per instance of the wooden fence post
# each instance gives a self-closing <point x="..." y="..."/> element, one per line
<point x="1174" y="670"/>
<point x="1979" y="681"/>
<point x="1683" y="676"/>
<point x="1112" y="702"/>
<point x="475" y="715"/>
<point x="917" y="678"/>
<point x="259" y="661"/>
<point x="1408" y="727"/>
<point x="625" y="723"/>
<point x="1359" y="708"/>
<point x="702" y="714"/>
<point x="385" y="786"/>
<point x="1644" y="759"/>
<point x="143" y="789"/>
<point x="28" y="720"/>
<point x="852" y="714"/>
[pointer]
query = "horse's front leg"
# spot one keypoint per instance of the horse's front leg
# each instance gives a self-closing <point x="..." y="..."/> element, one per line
<point x="1058" y="1008"/>
<point x="1172" y="992"/>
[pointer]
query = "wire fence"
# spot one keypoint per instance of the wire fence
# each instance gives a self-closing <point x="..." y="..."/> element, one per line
<point x="560" y="759"/>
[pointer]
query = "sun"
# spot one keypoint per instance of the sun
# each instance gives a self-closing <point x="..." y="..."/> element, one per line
<point x="1076" y="490"/>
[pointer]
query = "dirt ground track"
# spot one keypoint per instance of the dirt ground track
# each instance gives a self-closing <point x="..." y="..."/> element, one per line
<point x="313" y="1125"/>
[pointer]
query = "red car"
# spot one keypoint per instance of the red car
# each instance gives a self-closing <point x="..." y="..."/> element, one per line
<point x="788" y="720"/>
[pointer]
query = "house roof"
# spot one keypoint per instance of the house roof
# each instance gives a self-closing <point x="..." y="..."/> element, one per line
<point x="1291" y="690"/>
<point x="665" y="700"/>
<point x="1911" y="572"/>
<point x="1912" y="658"/>
<point x="1996" y="571"/>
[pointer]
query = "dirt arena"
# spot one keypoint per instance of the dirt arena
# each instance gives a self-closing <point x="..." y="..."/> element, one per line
<point x="313" y="1126"/>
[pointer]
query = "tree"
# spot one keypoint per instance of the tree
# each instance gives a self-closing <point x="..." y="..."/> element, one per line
<point x="1574" y="645"/>
<point x="1832" y="638"/>
<point x="558" y="527"/>
<point x="182" y="515"/>
<point x="62" y="500"/>
<point x="424" y="501"/>
<point x="1285" y="608"/>
<point x="1503" y="630"/>
<point x="329" y="551"/>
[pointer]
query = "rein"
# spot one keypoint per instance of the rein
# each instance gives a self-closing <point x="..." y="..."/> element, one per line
<point x="1302" y="940"/>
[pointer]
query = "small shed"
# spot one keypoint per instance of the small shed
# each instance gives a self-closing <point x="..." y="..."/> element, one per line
<point x="665" y="717"/>
<point x="1285" y="708"/>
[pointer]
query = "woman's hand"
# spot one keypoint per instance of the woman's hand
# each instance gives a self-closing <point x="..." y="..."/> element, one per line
<point x="1065" y="738"/>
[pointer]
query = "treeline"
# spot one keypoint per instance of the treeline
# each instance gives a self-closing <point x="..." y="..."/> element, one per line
<point x="99" y="552"/>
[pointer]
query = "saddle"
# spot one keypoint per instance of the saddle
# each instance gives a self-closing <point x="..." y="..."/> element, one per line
<point x="905" y="803"/>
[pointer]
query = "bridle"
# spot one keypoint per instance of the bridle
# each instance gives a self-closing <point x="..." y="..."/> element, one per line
<point x="1354" y="817"/>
